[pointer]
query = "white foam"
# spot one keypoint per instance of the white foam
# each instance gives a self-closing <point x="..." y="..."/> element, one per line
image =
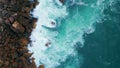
<point x="46" y="12"/>
<point x="63" y="46"/>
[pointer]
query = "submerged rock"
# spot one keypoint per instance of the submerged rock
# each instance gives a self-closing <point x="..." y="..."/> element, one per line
<point x="62" y="1"/>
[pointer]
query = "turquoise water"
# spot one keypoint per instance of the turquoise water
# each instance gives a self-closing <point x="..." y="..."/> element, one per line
<point x="72" y="20"/>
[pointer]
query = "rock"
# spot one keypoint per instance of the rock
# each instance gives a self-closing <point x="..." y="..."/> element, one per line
<point x="15" y="14"/>
<point x="7" y="22"/>
<point x="18" y="27"/>
<point x="48" y="43"/>
<point x="22" y="50"/>
<point x="15" y="30"/>
<point x="34" y="25"/>
<point x="22" y="58"/>
<point x="27" y="55"/>
<point x="41" y="66"/>
<point x="27" y="9"/>
<point x="53" y="23"/>
<point x="1" y="28"/>
<point x="62" y="1"/>
<point x="15" y="64"/>
<point x="23" y="41"/>
<point x="34" y="22"/>
<point x="1" y="20"/>
<point x="6" y="63"/>
<point x="11" y="19"/>
<point x="4" y="12"/>
<point x="0" y="9"/>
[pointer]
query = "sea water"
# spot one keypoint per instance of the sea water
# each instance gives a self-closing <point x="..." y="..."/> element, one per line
<point x="63" y="25"/>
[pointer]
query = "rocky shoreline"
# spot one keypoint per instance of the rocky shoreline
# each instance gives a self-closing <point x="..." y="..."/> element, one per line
<point x="16" y="24"/>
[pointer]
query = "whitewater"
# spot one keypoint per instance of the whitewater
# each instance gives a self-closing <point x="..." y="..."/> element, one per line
<point x="60" y="26"/>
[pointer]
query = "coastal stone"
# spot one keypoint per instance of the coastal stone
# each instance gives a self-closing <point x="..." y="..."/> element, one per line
<point x="34" y="25"/>
<point x="11" y="19"/>
<point x="15" y="64"/>
<point x="1" y="20"/>
<point x="24" y="41"/>
<point x="15" y="29"/>
<point x="27" y="55"/>
<point x="0" y="9"/>
<point x="22" y="50"/>
<point x="7" y="22"/>
<point x="62" y="1"/>
<point x="4" y="12"/>
<point x="6" y="63"/>
<point x="41" y="66"/>
<point x="15" y="14"/>
<point x="48" y="43"/>
<point x="53" y="23"/>
<point x="18" y="27"/>
<point x="27" y="9"/>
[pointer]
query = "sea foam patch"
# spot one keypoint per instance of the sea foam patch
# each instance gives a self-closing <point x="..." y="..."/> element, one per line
<point x="51" y="47"/>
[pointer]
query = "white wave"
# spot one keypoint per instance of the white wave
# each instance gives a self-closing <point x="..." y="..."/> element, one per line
<point x="62" y="41"/>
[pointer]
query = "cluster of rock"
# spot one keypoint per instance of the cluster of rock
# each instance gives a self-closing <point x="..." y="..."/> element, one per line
<point x="16" y="24"/>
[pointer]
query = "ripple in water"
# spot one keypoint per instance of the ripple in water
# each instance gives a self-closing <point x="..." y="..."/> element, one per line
<point x="60" y="27"/>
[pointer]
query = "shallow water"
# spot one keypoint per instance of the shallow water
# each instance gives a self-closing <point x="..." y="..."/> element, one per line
<point x="72" y="20"/>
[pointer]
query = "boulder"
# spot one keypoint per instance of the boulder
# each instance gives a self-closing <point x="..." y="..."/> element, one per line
<point x="41" y="66"/>
<point x="18" y="27"/>
<point x="23" y="41"/>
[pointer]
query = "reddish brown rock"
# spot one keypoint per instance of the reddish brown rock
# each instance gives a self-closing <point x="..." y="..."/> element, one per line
<point x="18" y="27"/>
<point x="23" y="41"/>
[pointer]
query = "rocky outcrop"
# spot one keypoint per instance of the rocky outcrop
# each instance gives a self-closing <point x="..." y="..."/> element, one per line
<point x="16" y="24"/>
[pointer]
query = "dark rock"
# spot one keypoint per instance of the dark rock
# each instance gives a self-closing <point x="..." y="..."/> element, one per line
<point x="62" y="1"/>
<point x="1" y="20"/>
<point x="11" y="19"/>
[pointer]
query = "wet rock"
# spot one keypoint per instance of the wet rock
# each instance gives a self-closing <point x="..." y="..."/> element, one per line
<point x="1" y="20"/>
<point x="34" y="22"/>
<point x="27" y="9"/>
<point x="14" y="64"/>
<point x="53" y="23"/>
<point x="4" y="12"/>
<point x="7" y="22"/>
<point x="18" y="27"/>
<point x="11" y="19"/>
<point x="48" y="43"/>
<point x="0" y="9"/>
<point x="62" y="1"/>
<point x="24" y="41"/>
<point x="34" y="25"/>
<point x="22" y="50"/>
<point x="27" y="55"/>
<point x="15" y="29"/>
<point x="41" y="66"/>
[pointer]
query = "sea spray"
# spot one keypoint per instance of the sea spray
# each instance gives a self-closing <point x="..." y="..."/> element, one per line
<point x="69" y="21"/>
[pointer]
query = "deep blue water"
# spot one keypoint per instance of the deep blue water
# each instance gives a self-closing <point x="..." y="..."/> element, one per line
<point x="102" y="47"/>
